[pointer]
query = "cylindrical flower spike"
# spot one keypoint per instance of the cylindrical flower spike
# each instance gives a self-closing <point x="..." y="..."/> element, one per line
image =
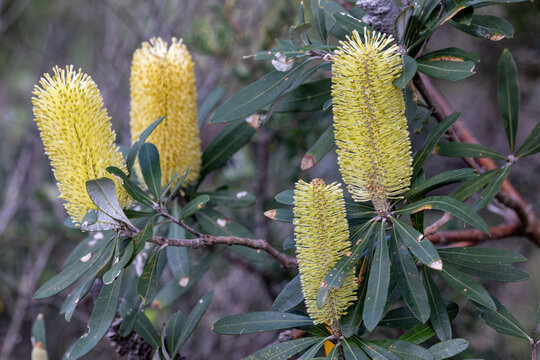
<point x="77" y="136"/>
<point x="163" y="83"/>
<point x="322" y="238"/>
<point x="370" y="128"/>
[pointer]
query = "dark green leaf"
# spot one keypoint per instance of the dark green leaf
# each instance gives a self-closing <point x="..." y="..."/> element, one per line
<point x="139" y="241"/>
<point x="399" y="318"/>
<point x="290" y="296"/>
<point x="174" y="330"/>
<point x="324" y="144"/>
<point x="495" y="272"/>
<point x="193" y="206"/>
<point x="285" y="197"/>
<point x="407" y="73"/>
<point x="448" y="204"/>
<point x="433" y="138"/>
<point x="531" y="145"/>
<point x="255" y="96"/>
<point x="405" y="350"/>
<point x="466" y="286"/>
<point x="193" y="319"/>
<point x="487" y="26"/>
<point x="284" y="350"/>
<point x="298" y="34"/>
<point x="119" y="263"/>
<point x="508" y="94"/>
<point x="492" y="189"/>
<point x="459" y="149"/>
<point x="132" y="189"/>
<point x="258" y="322"/>
<point x="130" y="312"/>
<point x="408" y="280"/>
<point x="38" y="332"/>
<point x="208" y="104"/>
<point x="178" y="184"/>
<point x="229" y="140"/>
<point x="72" y="273"/>
<point x="134" y="150"/>
<point x="439" y="180"/>
<point x="451" y="54"/>
<point x="449" y="348"/>
<point x="334" y="353"/>
<point x="379" y="278"/>
<point x="231" y="198"/>
<point x="350" y="23"/>
<point x="100" y="320"/>
<point x="150" y="168"/>
<point x="471" y="186"/>
<point x="375" y="352"/>
<point x="418" y="334"/>
<point x="283" y="215"/>
<point x="318" y="19"/>
<point x="146" y="330"/>
<point x="148" y="282"/>
<point x="352" y="351"/>
<point x="177" y="256"/>
<point x="422" y="248"/>
<point x="400" y="25"/>
<point x="448" y="70"/>
<point x="502" y="321"/>
<point x="439" y="320"/>
<point x="289" y="243"/>
<point x="481" y="255"/>
<point x="312" y="351"/>
<point x="464" y="16"/>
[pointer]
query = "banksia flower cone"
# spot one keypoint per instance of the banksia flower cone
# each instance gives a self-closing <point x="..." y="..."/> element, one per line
<point x="163" y="83"/>
<point x="322" y="238"/>
<point x="370" y="128"/>
<point x="77" y="136"/>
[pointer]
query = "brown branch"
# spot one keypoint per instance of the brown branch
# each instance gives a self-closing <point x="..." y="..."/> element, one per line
<point x="459" y="132"/>
<point x="475" y="236"/>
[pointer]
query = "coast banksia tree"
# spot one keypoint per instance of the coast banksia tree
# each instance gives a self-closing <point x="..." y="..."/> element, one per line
<point x="322" y="238"/>
<point x="77" y="136"/>
<point x="163" y="83"/>
<point x="370" y="128"/>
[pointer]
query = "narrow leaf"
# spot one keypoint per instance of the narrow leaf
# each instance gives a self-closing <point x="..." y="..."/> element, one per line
<point x="208" y="104"/>
<point x="531" y="145"/>
<point x="407" y="73"/>
<point x="440" y="180"/>
<point x="148" y="282"/>
<point x="495" y="272"/>
<point x="285" y="197"/>
<point x="231" y="198"/>
<point x="487" y="26"/>
<point x="502" y="321"/>
<point x="283" y="350"/>
<point x="473" y="185"/>
<point x="438" y="319"/>
<point x="174" y="330"/>
<point x="134" y="150"/>
<point x="461" y="149"/>
<point x="481" y="255"/>
<point x="352" y="351"/>
<point x="449" y="348"/>
<point x="312" y="351"/>
<point x="448" y="70"/>
<point x="422" y="248"/>
<point x="306" y="97"/>
<point x="258" y="322"/>
<point x="193" y="206"/>
<point x="193" y="319"/>
<point x="467" y="287"/>
<point x="150" y="168"/>
<point x="451" y="54"/>
<point x="317" y="151"/>
<point x="508" y="95"/>
<point x="290" y="296"/>
<point x="492" y="189"/>
<point x="133" y="189"/>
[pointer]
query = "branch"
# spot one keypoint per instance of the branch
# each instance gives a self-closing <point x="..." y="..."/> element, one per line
<point x="475" y="236"/>
<point x="459" y="132"/>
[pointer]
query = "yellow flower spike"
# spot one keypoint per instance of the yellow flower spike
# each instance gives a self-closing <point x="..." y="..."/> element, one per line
<point x="163" y="83"/>
<point x="322" y="238"/>
<point x="77" y="136"/>
<point x="370" y="128"/>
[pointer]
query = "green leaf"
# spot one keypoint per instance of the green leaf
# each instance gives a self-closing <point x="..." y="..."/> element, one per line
<point x="129" y="312"/>
<point x="401" y="23"/>
<point x="452" y="54"/>
<point x="502" y="321"/>
<point x="139" y="241"/>
<point x="285" y="197"/>
<point x="284" y="350"/>
<point x="97" y="220"/>
<point x="146" y="330"/>
<point x="193" y="206"/>
<point x="467" y="286"/>
<point x="400" y="318"/>
<point x="134" y="150"/>
<point x="531" y="145"/>
<point x="379" y="278"/>
<point x="177" y="256"/>
<point x="338" y="273"/>
<point x="283" y="215"/>
<point x="72" y="272"/>
<point x="449" y="348"/>
<point x="334" y="353"/>
<point x="132" y="189"/>
<point x="177" y="186"/>
<point x="103" y="193"/>
<point x="208" y="104"/>
<point x="306" y="97"/>
<point x="422" y="249"/>
<point x="408" y="280"/>
<point x="460" y="149"/>
<point x="418" y="334"/>
<point x="439" y="320"/>
<point x="258" y="322"/>
<point x="495" y="272"/>
<point x="290" y="296"/>
<point x="350" y="23"/>
<point x="405" y="350"/>
<point x="148" y="282"/>
<point x="229" y="140"/>
<point x="448" y="204"/>
<point x="193" y="319"/>
<point x="100" y="320"/>
<point x="150" y="168"/>
<point x="38" y="332"/>
<point x="119" y="263"/>
<point x="492" y="189"/>
<point x="407" y="73"/>
<point x="439" y="180"/>
<point x="375" y="352"/>
<point x="231" y="198"/>
<point x="433" y="138"/>
<point x="487" y="26"/>
<point x="324" y="144"/>
<point x="255" y="96"/>
<point x="352" y="351"/>
<point x="318" y="19"/>
<point x="312" y="351"/>
<point x="481" y="255"/>
<point x="508" y="94"/>
<point x="174" y="330"/>
<point x="289" y="243"/>
<point x="448" y="70"/>
<point x="471" y="186"/>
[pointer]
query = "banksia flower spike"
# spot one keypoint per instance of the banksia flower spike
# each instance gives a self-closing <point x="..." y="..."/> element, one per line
<point x="163" y="83"/>
<point x="77" y="136"/>
<point x="370" y="128"/>
<point x="322" y="238"/>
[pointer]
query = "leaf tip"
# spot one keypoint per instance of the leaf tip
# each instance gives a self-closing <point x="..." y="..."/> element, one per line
<point x="436" y="265"/>
<point x="270" y="214"/>
<point x="308" y="161"/>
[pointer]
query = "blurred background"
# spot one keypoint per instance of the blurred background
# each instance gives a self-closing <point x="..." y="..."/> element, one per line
<point x="100" y="36"/>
